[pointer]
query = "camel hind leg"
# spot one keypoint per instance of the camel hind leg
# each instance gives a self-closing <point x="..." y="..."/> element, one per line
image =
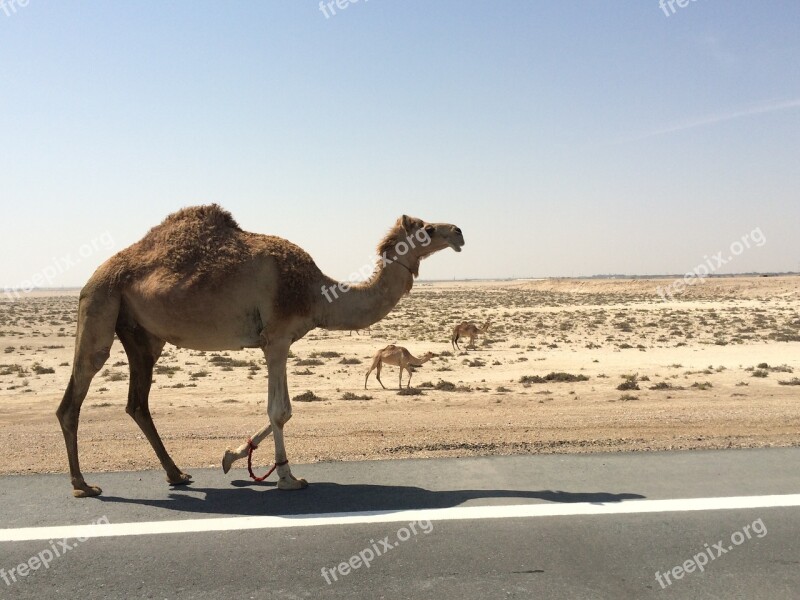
<point x="143" y="350"/>
<point x="377" y="364"/>
<point x="98" y="309"/>
<point x="410" y="372"/>
<point x="454" y="342"/>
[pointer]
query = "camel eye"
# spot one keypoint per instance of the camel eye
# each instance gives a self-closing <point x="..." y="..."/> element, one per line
<point x="430" y="229"/>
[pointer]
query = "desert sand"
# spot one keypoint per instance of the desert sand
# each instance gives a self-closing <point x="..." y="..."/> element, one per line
<point x="717" y="367"/>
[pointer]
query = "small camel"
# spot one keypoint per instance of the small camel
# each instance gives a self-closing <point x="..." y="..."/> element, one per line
<point x="358" y="332"/>
<point x="199" y="281"/>
<point x="468" y="329"/>
<point x="399" y="357"/>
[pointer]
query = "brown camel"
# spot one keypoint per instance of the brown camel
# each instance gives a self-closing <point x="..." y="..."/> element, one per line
<point x="358" y="332"/>
<point x="199" y="281"/>
<point x="399" y="357"/>
<point x="468" y="329"/>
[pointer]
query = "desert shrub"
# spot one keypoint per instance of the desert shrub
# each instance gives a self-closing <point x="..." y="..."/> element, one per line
<point x="664" y="385"/>
<point x="352" y="396"/>
<point x="227" y="361"/>
<point x="309" y="362"/>
<point x="553" y="376"/>
<point x="631" y="383"/>
<point x="308" y="396"/>
<point x="350" y="361"/>
<point x="325" y="354"/>
<point x="409" y="392"/>
<point x="167" y="370"/>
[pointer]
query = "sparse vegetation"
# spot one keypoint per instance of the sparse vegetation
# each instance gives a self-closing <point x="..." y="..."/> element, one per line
<point x="168" y="370"/>
<point x="705" y="385"/>
<point x="631" y="383"/>
<point x="553" y="376"/>
<point x="350" y="361"/>
<point x="409" y="392"/>
<point x="309" y="362"/>
<point x="308" y="396"/>
<point x="352" y="396"/>
<point x="665" y="386"/>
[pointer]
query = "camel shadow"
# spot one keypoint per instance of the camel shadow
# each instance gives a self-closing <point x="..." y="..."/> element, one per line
<point x="325" y="497"/>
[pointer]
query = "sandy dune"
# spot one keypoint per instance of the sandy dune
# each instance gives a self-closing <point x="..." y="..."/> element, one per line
<point x="694" y="360"/>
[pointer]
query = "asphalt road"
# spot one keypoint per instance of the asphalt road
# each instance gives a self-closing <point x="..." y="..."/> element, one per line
<point x="446" y="554"/>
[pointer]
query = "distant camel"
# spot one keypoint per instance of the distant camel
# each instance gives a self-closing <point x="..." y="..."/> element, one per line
<point x="367" y="329"/>
<point x="199" y="281"/>
<point x="399" y="357"/>
<point x="468" y="329"/>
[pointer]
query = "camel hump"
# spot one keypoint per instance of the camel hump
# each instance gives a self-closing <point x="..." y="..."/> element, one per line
<point x="197" y="243"/>
<point x="194" y="221"/>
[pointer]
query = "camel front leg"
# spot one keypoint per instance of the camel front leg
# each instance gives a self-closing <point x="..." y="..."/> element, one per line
<point x="378" y="375"/>
<point x="232" y="455"/>
<point x="279" y="410"/>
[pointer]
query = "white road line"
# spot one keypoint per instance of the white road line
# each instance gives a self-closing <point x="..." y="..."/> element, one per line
<point x="456" y="513"/>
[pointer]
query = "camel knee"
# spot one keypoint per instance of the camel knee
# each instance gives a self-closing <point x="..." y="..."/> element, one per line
<point x="137" y="413"/>
<point x="67" y="418"/>
<point x="278" y="418"/>
<point x="99" y="358"/>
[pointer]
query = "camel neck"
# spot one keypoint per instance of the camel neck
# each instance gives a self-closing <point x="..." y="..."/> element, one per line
<point x="346" y="307"/>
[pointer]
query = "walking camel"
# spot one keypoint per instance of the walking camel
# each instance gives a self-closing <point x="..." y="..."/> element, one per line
<point x="468" y="329"/>
<point x="199" y="281"/>
<point x="399" y="357"/>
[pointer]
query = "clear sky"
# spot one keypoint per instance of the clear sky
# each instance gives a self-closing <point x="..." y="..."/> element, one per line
<point x="564" y="138"/>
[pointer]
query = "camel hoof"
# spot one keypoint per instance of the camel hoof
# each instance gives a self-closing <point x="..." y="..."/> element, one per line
<point x="183" y="479"/>
<point x="292" y="484"/>
<point x="227" y="460"/>
<point x="86" y="491"/>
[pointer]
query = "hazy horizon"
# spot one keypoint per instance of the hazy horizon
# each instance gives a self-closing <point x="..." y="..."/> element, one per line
<point x="565" y="139"/>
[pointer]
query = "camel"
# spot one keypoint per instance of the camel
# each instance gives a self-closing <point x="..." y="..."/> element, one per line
<point x="399" y="357"/>
<point x="468" y="329"/>
<point x="199" y="281"/>
<point x="368" y="330"/>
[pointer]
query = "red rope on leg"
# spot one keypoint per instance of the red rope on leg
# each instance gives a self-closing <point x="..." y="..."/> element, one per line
<point x="251" y="447"/>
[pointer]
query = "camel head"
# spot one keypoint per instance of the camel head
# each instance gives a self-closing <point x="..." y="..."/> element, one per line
<point x="424" y="358"/>
<point x="430" y="237"/>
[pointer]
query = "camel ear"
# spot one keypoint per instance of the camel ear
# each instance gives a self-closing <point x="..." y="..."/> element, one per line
<point x="410" y="223"/>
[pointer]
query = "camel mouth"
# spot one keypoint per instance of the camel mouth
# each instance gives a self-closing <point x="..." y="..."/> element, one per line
<point x="456" y="246"/>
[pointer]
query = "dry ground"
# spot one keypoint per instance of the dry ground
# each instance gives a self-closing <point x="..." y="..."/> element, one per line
<point x="692" y="366"/>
